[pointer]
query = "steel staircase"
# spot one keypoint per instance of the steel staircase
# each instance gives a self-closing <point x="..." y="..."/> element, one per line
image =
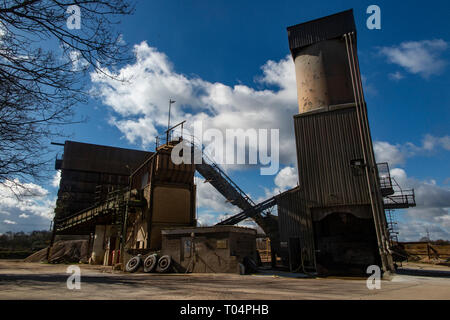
<point x="223" y="183"/>
<point x="250" y="212"/>
<point x="213" y="174"/>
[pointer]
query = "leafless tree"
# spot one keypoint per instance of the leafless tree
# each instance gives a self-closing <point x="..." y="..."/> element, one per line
<point x="44" y="61"/>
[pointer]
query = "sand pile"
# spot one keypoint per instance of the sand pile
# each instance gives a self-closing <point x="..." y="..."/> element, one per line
<point x="64" y="251"/>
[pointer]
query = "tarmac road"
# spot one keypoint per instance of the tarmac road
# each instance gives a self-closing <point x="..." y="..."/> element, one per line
<point x="20" y="280"/>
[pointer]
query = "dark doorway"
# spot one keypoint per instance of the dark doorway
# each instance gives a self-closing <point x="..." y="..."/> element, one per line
<point x="345" y="243"/>
<point x="295" y="256"/>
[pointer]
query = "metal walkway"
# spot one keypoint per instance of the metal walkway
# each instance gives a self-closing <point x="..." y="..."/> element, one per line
<point x="404" y="199"/>
<point x="112" y="209"/>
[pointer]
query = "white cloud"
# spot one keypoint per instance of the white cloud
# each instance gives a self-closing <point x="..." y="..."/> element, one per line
<point x="9" y="222"/>
<point x="140" y="104"/>
<point x="369" y="88"/>
<point x="206" y="219"/>
<point x="78" y="62"/>
<point x="211" y="200"/>
<point x="418" y="57"/>
<point x="432" y="210"/>
<point x="33" y="203"/>
<point x="414" y="230"/>
<point x="396" y="76"/>
<point x="56" y="179"/>
<point x="396" y="154"/>
<point x="2" y="32"/>
<point x="428" y="193"/>
<point x="286" y="179"/>
<point x="433" y="201"/>
<point x="215" y="208"/>
<point x="430" y="142"/>
<point x="386" y="152"/>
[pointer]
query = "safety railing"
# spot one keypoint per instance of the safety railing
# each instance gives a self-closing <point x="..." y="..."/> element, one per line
<point x="402" y="200"/>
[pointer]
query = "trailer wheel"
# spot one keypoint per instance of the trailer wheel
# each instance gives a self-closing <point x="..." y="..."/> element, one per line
<point x="133" y="264"/>
<point x="164" y="264"/>
<point x="150" y="263"/>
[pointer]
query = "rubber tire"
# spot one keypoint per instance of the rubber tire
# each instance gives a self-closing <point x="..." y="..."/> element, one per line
<point x="164" y="264"/>
<point x="133" y="264"/>
<point x="150" y="263"/>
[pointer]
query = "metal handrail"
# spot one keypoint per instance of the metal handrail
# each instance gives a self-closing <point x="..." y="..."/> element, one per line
<point x="407" y="196"/>
<point x="112" y="196"/>
<point x="211" y="162"/>
<point x="384" y="175"/>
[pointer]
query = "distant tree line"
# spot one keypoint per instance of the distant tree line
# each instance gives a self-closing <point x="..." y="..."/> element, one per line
<point x="18" y="245"/>
<point x="438" y="242"/>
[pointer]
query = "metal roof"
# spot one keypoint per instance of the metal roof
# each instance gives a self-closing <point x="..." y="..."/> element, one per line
<point x="329" y="27"/>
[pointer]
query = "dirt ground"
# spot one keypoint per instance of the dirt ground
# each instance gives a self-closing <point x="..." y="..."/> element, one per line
<point x="21" y="280"/>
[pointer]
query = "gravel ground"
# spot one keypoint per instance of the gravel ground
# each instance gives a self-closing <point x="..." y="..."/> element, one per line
<point x="21" y="280"/>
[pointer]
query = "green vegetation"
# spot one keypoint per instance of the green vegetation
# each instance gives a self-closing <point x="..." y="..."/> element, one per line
<point x="20" y="245"/>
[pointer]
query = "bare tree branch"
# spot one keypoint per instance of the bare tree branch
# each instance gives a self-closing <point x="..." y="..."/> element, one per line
<point x="43" y="68"/>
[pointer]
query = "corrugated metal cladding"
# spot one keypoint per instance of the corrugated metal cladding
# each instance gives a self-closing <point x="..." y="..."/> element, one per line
<point x="325" y="28"/>
<point x="295" y="221"/>
<point x="327" y="141"/>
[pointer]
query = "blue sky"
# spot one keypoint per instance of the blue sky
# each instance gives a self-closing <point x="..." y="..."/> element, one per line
<point x="222" y="56"/>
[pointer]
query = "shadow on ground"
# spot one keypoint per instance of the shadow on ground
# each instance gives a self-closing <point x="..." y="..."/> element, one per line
<point x="423" y="273"/>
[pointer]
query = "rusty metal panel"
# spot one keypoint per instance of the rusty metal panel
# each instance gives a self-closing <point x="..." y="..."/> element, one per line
<point x="328" y="142"/>
<point x="330" y="27"/>
<point x="295" y="221"/>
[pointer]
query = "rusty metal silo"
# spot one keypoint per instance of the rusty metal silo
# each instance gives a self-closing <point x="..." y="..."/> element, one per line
<point x="338" y="177"/>
<point x="321" y="63"/>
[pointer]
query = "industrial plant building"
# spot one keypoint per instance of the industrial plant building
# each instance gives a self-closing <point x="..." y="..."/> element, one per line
<point x="135" y="203"/>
